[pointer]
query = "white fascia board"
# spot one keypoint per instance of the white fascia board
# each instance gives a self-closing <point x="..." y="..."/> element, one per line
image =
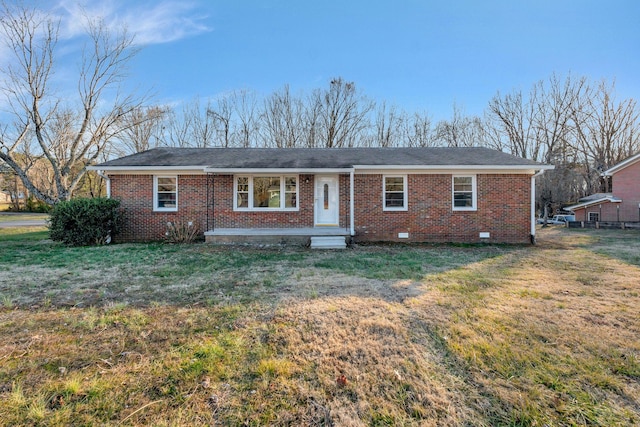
<point x="246" y="171"/>
<point x="149" y="170"/>
<point x="624" y="164"/>
<point x="434" y="169"/>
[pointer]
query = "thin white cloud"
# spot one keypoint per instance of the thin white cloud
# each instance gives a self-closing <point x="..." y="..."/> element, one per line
<point x="151" y="22"/>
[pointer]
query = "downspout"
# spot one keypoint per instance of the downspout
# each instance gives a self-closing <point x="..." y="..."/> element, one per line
<point x="533" y="206"/>
<point x="107" y="180"/>
<point x="210" y="202"/>
<point x="351" y="203"/>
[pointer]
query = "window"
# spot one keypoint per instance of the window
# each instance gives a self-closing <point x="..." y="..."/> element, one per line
<point x="165" y="193"/>
<point x="266" y="192"/>
<point x="464" y="193"/>
<point x="290" y="192"/>
<point x="243" y="192"/>
<point x="325" y="197"/>
<point x="594" y="216"/>
<point x="395" y="193"/>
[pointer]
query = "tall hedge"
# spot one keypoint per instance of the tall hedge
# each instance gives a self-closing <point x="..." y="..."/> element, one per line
<point x="84" y="221"/>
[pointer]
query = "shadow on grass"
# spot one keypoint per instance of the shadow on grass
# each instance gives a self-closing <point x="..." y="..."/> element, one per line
<point x="35" y="269"/>
<point x="452" y="333"/>
<point x="620" y="245"/>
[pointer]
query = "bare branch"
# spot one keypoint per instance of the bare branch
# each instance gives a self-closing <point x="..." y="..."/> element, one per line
<point x="68" y="136"/>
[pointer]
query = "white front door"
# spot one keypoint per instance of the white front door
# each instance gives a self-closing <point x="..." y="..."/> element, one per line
<point x="327" y="201"/>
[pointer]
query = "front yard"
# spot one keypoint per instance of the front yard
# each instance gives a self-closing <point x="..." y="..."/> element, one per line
<point x="159" y="334"/>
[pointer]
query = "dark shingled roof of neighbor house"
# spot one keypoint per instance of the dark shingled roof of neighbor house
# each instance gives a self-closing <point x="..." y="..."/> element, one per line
<point x="317" y="158"/>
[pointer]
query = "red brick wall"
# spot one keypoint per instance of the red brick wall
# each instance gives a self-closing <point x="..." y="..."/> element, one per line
<point x="608" y="212"/>
<point x="580" y="214"/>
<point x="626" y="186"/>
<point x="503" y="208"/>
<point x="135" y="193"/>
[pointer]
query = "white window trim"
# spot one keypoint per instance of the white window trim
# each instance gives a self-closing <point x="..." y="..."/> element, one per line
<point x="404" y="195"/>
<point x="474" y="189"/>
<point x="593" y="213"/>
<point x="250" y="208"/>
<point x="155" y="194"/>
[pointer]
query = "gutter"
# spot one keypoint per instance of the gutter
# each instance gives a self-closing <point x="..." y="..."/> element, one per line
<point x="454" y="167"/>
<point x="351" y="203"/>
<point x="533" y="206"/>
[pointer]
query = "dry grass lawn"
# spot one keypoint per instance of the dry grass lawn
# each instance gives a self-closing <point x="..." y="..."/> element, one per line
<point x="172" y="335"/>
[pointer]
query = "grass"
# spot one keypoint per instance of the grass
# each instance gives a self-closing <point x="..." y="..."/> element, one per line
<point x="155" y="334"/>
<point x="12" y="217"/>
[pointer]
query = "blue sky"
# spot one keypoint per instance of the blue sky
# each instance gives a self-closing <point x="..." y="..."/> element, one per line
<point x="419" y="55"/>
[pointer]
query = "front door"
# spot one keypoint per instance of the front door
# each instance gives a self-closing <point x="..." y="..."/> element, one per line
<point x="327" y="201"/>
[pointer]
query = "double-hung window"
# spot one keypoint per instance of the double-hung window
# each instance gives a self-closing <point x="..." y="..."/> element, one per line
<point x="594" y="216"/>
<point x="266" y="192"/>
<point x="165" y="193"/>
<point x="394" y="192"/>
<point x="464" y="193"/>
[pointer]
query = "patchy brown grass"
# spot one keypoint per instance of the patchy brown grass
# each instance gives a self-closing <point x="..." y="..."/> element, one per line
<point x="20" y="216"/>
<point x="426" y="335"/>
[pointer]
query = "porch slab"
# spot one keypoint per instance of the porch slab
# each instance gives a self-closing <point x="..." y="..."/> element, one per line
<point x="273" y="236"/>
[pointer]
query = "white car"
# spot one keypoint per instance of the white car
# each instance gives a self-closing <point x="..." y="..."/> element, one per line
<point x="558" y="219"/>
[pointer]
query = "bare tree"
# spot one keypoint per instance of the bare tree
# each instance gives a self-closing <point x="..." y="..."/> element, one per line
<point x="460" y="131"/>
<point x="204" y="130"/>
<point x="311" y="121"/>
<point x="244" y="105"/>
<point x="418" y="131"/>
<point x="554" y="129"/>
<point x="342" y="114"/>
<point x="282" y="120"/>
<point x="192" y="126"/>
<point x="607" y="131"/>
<point x="45" y="129"/>
<point x="512" y="117"/>
<point x="389" y="126"/>
<point x="143" y="130"/>
<point x="222" y="115"/>
<point x="540" y="128"/>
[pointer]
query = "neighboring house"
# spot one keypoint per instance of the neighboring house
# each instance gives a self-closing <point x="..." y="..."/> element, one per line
<point x="622" y="203"/>
<point x="367" y="194"/>
<point x="5" y="197"/>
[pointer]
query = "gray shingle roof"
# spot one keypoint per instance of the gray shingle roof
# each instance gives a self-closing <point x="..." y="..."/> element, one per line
<point x="316" y="158"/>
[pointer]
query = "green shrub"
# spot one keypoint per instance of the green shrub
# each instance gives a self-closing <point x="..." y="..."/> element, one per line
<point x="83" y="222"/>
<point x="35" y="205"/>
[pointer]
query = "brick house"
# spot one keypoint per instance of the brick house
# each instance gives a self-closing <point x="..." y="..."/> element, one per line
<point x="364" y="194"/>
<point x="621" y="203"/>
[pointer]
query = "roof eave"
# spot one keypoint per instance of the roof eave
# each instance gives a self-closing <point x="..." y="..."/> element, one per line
<point x="145" y="168"/>
<point x="456" y="167"/>
<point x="593" y="202"/>
<point x="631" y="160"/>
<point x="277" y="170"/>
<point x="205" y="169"/>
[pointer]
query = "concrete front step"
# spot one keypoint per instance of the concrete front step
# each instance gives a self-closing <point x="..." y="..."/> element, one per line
<point x="328" y="242"/>
<point x="274" y="236"/>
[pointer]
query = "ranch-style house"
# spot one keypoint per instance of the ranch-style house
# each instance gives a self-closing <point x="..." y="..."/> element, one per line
<point x="327" y="196"/>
